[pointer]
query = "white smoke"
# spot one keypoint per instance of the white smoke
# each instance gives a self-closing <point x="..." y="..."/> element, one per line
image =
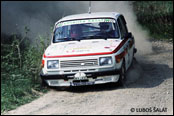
<point x="41" y="15"/>
<point x="125" y="8"/>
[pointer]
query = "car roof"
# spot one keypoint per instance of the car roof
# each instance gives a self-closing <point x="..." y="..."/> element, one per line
<point x="90" y="15"/>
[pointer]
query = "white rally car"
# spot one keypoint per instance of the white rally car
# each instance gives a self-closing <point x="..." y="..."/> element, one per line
<point x="88" y="49"/>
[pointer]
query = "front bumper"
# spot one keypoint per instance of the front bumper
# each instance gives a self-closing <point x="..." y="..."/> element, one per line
<point x="91" y="79"/>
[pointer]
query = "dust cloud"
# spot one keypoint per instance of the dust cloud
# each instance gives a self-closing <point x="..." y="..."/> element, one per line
<point x="124" y="7"/>
<point x="40" y="16"/>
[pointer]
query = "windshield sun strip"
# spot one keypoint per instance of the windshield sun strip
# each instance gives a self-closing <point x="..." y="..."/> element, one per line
<point x="83" y="21"/>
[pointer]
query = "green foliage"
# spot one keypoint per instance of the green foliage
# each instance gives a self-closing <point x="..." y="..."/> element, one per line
<point x="20" y="68"/>
<point x="156" y="16"/>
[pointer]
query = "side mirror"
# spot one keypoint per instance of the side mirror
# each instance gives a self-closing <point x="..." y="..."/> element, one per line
<point x="128" y="35"/>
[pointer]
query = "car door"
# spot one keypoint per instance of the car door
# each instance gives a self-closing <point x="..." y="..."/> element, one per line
<point x="124" y="32"/>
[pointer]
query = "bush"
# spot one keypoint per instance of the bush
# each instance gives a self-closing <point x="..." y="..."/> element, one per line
<point x="20" y="68"/>
<point x="156" y="16"/>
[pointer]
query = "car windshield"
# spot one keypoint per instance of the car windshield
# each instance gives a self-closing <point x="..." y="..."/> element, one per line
<point x="85" y="29"/>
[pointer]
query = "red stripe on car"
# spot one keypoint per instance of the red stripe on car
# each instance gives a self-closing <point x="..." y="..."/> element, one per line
<point x="90" y="54"/>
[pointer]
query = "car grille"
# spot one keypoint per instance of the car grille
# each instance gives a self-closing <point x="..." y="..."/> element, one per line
<point x="78" y="63"/>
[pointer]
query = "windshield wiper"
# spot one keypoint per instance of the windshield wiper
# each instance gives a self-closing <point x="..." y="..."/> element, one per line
<point x="67" y="39"/>
<point x="92" y="37"/>
<point x="75" y="39"/>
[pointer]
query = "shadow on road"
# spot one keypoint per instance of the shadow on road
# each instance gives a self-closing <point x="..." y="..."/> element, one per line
<point x="151" y="74"/>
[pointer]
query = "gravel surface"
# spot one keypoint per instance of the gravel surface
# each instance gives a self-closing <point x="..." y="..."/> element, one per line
<point x="148" y="90"/>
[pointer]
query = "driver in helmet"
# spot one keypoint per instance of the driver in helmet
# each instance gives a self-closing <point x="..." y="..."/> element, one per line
<point x="76" y="31"/>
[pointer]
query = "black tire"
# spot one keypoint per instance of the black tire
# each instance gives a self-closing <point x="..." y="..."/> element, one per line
<point x="134" y="51"/>
<point x="122" y="74"/>
<point x="44" y="84"/>
<point x="61" y="88"/>
<point x="132" y="60"/>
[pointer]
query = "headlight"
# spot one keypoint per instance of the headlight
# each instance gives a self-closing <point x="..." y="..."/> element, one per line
<point x="52" y="64"/>
<point x="105" y="61"/>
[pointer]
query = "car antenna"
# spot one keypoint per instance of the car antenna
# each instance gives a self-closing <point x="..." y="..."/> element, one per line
<point x="89" y="11"/>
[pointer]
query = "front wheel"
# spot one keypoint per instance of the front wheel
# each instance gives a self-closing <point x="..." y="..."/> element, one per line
<point x="61" y="88"/>
<point x="122" y="74"/>
<point x="43" y="83"/>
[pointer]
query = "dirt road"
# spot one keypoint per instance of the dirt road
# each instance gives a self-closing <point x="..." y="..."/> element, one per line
<point x="148" y="90"/>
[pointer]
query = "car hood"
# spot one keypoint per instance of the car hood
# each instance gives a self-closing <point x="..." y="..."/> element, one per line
<point x="82" y="47"/>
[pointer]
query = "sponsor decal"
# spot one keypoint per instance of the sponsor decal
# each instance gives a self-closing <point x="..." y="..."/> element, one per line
<point x="83" y="21"/>
<point x="90" y="54"/>
<point x="78" y="49"/>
